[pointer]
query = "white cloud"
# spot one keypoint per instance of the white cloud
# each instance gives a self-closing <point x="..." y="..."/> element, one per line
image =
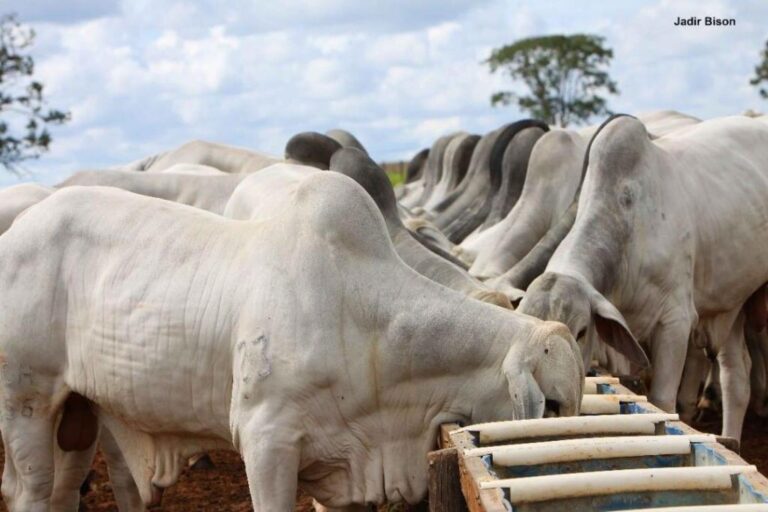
<point x="701" y="70"/>
<point x="427" y="131"/>
<point x="141" y="76"/>
<point x="405" y="49"/>
<point x="441" y="35"/>
<point x="333" y="44"/>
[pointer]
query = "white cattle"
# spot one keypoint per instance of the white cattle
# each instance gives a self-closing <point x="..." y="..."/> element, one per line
<point x="311" y="148"/>
<point x="702" y="372"/>
<point x="433" y="169"/>
<point x="266" y="194"/>
<point x="426" y="230"/>
<point x="652" y="218"/>
<point x="225" y="158"/>
<point x="554" y="174"/>
<point x="318" y="353"/>
<point x="414" y="181"/>
<point x="657" y="122"/>
<point x="514" y="167"/>
<point x="456" y="159"/>
<point x="346" y="139"/>
<point x="560" y="158"/>
<point x="201" y="190"/>
<point x="195" y="169"/>
<point x="374" y="180"/>
<point x="664" y="122"/>
<point x="468" y="206"/>
<point x="317" y="150"/>
<point x="17" y="198"/>
<point x="14" y="201"/>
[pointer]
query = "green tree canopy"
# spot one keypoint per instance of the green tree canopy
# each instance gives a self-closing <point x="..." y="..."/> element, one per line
<point x="23" y="111"/>
<point x="565" y="76"/>
<point x="761" y="73"/>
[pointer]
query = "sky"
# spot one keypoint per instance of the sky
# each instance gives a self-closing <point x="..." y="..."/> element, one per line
<point x="144" y="76"/>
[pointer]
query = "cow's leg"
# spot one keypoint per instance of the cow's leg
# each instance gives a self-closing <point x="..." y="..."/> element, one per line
<point x="10" y="481"/>
<point x="669" y="345"/>
<point x="123" y="486"/>
<point x="734" y="361"/>
<point x="71" y="471"/>
<point x="271" y="451"/>
<point x="695" y="372"/>
<point x="710" y="405"/>
<point x="28" y="434"/>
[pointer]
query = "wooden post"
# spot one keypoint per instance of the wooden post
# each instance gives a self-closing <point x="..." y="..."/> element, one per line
<point x="444" y="482"/>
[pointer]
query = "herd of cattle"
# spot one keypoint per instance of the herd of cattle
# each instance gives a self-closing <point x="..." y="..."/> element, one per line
<point x="323" y="324"/>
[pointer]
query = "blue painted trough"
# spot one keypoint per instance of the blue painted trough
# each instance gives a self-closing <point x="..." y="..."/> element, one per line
<point x="622" y="453"/>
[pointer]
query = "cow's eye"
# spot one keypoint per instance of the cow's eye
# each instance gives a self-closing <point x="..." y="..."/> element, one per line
<point x="581" y="333"/>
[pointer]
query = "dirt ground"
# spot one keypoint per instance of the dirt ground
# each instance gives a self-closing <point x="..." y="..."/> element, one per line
<point x="225" y="488"/>
<point x="754" y="448"/>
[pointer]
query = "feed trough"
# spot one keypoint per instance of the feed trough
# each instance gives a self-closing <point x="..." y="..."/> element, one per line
<point x="622" y="453"/>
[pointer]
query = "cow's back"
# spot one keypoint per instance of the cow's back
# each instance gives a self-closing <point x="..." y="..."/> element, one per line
<point x="130" y="283"/>
<point x="16" y="199"/>
<point x="226" y="158"/>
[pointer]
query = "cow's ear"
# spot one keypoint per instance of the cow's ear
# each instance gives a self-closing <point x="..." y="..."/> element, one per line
<point x="613" y="330"/>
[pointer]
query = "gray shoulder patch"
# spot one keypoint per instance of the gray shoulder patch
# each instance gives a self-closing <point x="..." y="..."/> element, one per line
<point x="255" y="358"/>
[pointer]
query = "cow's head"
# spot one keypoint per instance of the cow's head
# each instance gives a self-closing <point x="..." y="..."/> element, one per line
<point x="546" y="374"/>
<point x="575" y="302"/>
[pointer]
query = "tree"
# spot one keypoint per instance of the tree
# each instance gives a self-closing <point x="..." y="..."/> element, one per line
<point x="564" y="75"/>
<point x="761" y="73"/>
<point x="24" y="115"/>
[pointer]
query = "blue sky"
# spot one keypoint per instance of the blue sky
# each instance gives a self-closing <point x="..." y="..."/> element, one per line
<point x="142" y="76"/>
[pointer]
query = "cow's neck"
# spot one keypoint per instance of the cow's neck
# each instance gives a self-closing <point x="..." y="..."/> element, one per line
<point x="615" y="248"/>
<point x="594" y="248"/>
<point x="446" y="336"/>
<point x="425" y="355"/>
<point x="466" y="328"/>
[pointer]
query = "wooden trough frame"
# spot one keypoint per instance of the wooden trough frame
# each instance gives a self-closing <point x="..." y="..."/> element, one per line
<point x="463" y="471"/>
